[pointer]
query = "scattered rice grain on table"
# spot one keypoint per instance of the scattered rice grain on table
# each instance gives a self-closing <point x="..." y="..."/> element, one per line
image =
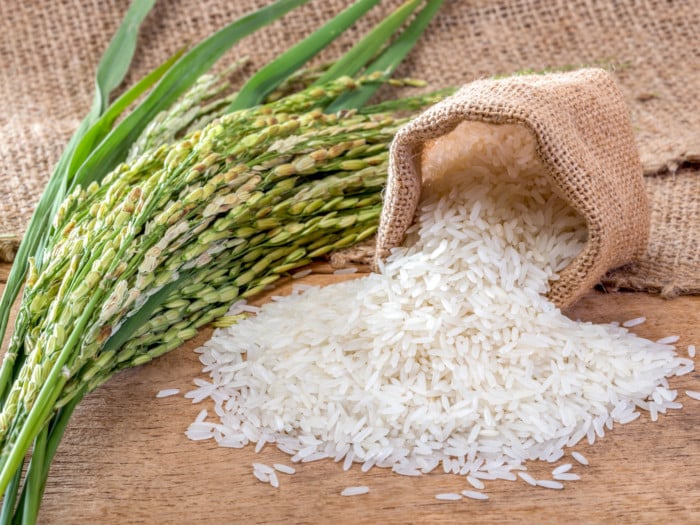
<point x="345" y="271"/>
<point x="284" y="469"/>
<point x="448" y="496"/>
<point x="355" y="491"/>
<point x="261" y="467"/>
<point x="566" y="476"/>
<point x="302" y="273"/>
<point x="168" y="392"/>
<point x="474" y="482"/>
<point x="550" y="484"/>
<point x="693" y="394"/>
<point x="262" y="477"/>
<point x="580" y="458"/>
<point x="561" y="469"/>
<point x="634" y="322"/>
<point x="527" y="478"/>
<point x="474" y="495"/>
<point x="451" y="354"/>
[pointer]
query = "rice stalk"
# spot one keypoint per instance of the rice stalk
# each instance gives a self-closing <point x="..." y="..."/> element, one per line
<point x="129" y="259"/>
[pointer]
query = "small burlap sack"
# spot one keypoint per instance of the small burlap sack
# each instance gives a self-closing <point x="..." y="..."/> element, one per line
<point x="585" y="142"/>
<point x="50" y="49"/>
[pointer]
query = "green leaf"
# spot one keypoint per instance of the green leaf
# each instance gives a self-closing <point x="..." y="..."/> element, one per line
<point x="175" y="82"/>
<point x="117" y="58"/>
<point x="8" y="502"/>
<point x="31" y="495"/>
<point x="389" y="59"/>
<point x="104" y="124"/>
<point x="367" y="48"/>
<point x="143" y="315"/>
<point x="270" y="76"/>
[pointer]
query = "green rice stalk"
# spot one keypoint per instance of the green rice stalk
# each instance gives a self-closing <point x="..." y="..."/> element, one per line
<point x="209" y="208"/>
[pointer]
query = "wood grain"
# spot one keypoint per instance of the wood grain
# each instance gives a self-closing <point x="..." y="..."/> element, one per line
<point x="125" y="459"/>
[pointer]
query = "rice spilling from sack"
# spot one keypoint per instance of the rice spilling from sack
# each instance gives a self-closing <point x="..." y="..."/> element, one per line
<point x="450" y="356"/>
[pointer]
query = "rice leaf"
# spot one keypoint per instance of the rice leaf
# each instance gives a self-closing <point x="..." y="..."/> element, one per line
<point x="117" y="58"/>
<point x="104" y="124"/>
<point x="175" y="82"/>
<point x="365" y="49"/>
<point x="8" y="502"/>
<point x="389" y="59"/>
<point x="29" y="504"/>
<point x="143" y="315"/>
<point x="270" y="76"/>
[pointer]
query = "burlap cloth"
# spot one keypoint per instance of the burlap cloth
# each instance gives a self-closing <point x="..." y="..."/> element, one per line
<point x="49" y="49"/>
<point x="585" y="141"/>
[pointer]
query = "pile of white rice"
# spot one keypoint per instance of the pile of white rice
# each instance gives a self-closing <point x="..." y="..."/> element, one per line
<point x="451" y="355"/>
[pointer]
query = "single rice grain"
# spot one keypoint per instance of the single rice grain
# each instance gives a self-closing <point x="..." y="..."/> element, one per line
<point x="474" y="495"/>
<point x="448" y="496"/>
<point x="284" y="469"/>
<point x="355" y="491"/>
<point x="168" y="392"/>
<point x="634" y="322"/>
<point x="693" y="394"/>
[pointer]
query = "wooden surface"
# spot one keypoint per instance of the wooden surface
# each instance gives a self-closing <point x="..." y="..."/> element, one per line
<point x="125" y="459"/>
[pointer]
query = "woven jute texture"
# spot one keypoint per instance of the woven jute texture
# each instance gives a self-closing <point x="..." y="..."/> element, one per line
<point x="49" y="50"/>
<point x="585" y="142"/>
<point x="671" y="263"/>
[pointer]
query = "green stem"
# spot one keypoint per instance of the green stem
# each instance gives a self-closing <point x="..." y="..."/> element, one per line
<point x="8" y="502"/>
<point x="31" y="494"/>
<point x="45" y="447"/>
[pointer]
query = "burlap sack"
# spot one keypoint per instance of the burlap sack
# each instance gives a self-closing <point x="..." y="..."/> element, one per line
<point x="585" y="142"/>
<point x="49" y="50"/>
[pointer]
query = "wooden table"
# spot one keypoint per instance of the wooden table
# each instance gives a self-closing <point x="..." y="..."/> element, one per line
<point x="125" y="459"/>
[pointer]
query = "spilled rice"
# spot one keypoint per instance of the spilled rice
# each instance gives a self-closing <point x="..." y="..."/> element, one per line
<point x="451" y="357"/>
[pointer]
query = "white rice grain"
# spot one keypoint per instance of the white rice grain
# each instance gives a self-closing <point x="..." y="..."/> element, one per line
<point x="448" y="496"/>
<point x="691" y="350"/>
<point x="566" y="476"/>
<point x="549" y="484"/>
<point x="475" y="495"/>
<point x="264" y="478"/>
<point x="634" y="322"/>
<point x="474" y="482"/>
<point x="671" y="339"/>
<point x="527" y="478"/>
<point x="345" y="271"/>
<point x="261" y="467"/>
<point x="284" y="469"/>
<point x="355" y="491"/>
<point x="580" y="458"/>
<point x="302" y="273"/>
<point x="566" y="467"/>
<point x="693" y="394"/>
<point x="168" y="392"/>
